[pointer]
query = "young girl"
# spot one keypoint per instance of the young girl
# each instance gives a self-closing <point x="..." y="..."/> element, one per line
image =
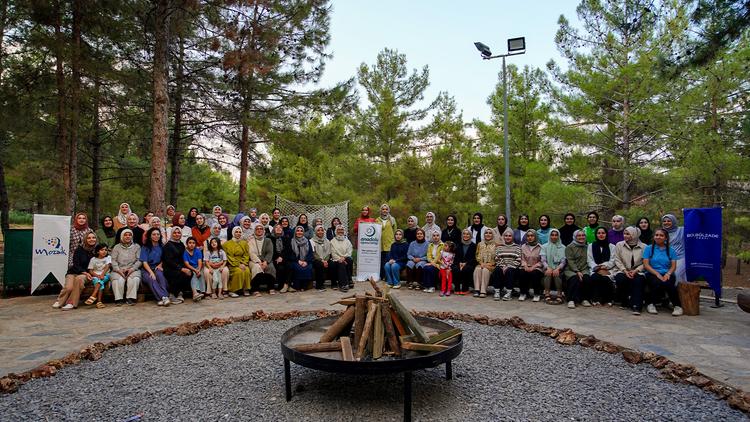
<point x="99" y="270"/>
<point x="216" y="270"/>
<point x="193" y="258"/>
<point x="446" y="274"/>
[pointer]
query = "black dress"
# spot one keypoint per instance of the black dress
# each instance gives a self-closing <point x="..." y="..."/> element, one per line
<point x="173" y="263"/>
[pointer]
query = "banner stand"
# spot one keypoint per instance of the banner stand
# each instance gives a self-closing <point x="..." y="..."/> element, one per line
<point x="368" y="253"/>
<point x="703" y="244"/>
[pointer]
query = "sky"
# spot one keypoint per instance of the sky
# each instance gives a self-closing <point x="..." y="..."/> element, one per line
<point x="441" y="35"/>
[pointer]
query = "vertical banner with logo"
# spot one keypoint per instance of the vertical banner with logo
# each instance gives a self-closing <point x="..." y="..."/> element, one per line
<point x="703" y="246"/>
<point x="49" y="254"/>
<point x="368" y="253"/>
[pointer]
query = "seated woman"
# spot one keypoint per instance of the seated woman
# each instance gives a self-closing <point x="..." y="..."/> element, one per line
<point x="179" y="220"/>
<point x="629" y="278"/>
<point x="306" y="227"/>
<point x="301" y="260"/>
<point x="77" y="275"/>
<point x="485" y="263"/>
<point x="126" y="274"/>
<point x="397" y="257"/>
<point x="410" y="233"/>
<point x="464" y="263"/>
<point x="451" y="232"/>
<point x="201" y="232"/>
<point x="431" y="268"/>
<point x="417" y="259"/>
<point x="321" y="257"/>
<point x="531" y="271"/>
<point x="155" y="223"/>
<point x="262" y="270"/>
<point x="601" y="260"/>
<point x="152" y="270"/>
<point x="275" y="217"/>
<point x="341" y="260"/>
<point x="507" y="262"/>
<point x="281" y="253"/>
<point x="545" y="224"/>
<point x="121" y="219"/>
<point x="215" y="268"/>
<point x="215" y="213"/>
<point x="247" y="228"/>
<point x="146" y="222"/>
<point x="238" y="260"/>
<point x="553" y="264"/>
<point x="660" y="263"/>
<point x="172" y="259"/>
<point x="331" y="231"/>
<point x="288" y="232"/>
<point x="577" y="270"/>
<point x="226" y="232"/>
<point x="78" y="232"/>
<point x="106" y="232"/>
<point x="132" y="225"/>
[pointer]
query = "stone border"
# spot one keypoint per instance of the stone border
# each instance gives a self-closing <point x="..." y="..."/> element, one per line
<point x="672" y="371"/>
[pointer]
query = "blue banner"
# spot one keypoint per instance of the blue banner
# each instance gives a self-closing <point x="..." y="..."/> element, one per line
<point x="703" y="246"/>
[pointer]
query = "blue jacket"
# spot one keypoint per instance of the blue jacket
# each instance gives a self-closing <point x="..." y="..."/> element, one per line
<point x="417" y="250"/>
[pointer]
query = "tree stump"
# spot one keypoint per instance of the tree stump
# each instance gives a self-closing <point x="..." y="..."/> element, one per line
<point x="690" y="294"/>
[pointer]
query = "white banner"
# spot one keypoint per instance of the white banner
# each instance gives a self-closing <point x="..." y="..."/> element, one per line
<point x="51" y="240"/>
<point x="368" y="253"/>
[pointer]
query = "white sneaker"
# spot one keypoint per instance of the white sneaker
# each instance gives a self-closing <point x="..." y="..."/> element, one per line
<point x="165" y="301"/>
<point x="56" y="305"/>
<point x="396" y="286"/>
<point x="160" y="303"/>
<point x="651" y="309"/>
<point x="677" y="311"/>
<point x="67" y="307"/>
<point x="429" y="290"/>
<point x="571" y="305"/>
<point x="497" y="294"/>
<point x="586" y="303"/>
<point x="233" y="294"/>
<point x="521" y="298"/>
<point x="507" y="294"/>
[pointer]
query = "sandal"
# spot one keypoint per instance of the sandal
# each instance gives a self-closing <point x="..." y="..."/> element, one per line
<point x="272" y="292"/>
<point x="558" y="301"/>
<point x="482" y="294"/>
<point x="256" y="294"/>
<point x="214" y="296"/>
<point x="91" y="300"/>
<point x="100" y="305"/>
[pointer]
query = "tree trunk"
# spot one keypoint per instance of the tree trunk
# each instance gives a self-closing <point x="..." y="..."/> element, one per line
<point x="96" y="158"/>
<point x="176" y="150"/>
<point x="161" y="110"/>
<point x="244" y="151"/>
<point x="4" y="203"/>
<point x="63" y="151"/>
<point x="71" y="196"/>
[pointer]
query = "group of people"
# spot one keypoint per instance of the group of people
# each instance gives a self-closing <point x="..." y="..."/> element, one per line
<point x="213" y="256"/>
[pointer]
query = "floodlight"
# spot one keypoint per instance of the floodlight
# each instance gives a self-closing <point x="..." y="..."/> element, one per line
<point x="483" y="48"/>
<point x="516" y="44"/>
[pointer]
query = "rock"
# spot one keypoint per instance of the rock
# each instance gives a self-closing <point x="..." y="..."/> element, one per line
<point x="649" y="356"/>
<point x="699" y="380"/>
<point x="632" y="356"/>
<point x="482" y="319"/>
<point x="8" y="385"/>
<point x="587" y="341"/>
<point x="517" y="322"/>
<point x="567" y="337"/>
<point x="56" y="363"/>
<point x="554" y="333"/>
<point x="743" y="301"/>
<point x="659" y="362"/>
<point x="739" y="401"/>
<point x="43" y="371"/>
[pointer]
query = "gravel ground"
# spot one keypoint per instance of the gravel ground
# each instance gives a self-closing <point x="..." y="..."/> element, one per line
<point x="236" y="373"/>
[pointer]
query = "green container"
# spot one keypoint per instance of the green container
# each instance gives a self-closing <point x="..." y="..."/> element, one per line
<point x="17" y="271"/>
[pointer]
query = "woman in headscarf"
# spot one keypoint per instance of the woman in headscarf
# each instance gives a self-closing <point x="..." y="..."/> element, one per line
<point x="387" y="235"/>
<point x="261" y="261"/>
<point x="451" y="232"/>
<point x="615" y="234"/>
<point x="238" y="261"/>
<point x="478" y="228"/>
<point x="532" y="269"/>
<point x="190" y="219"/>
<point x="282" y="250"/>
<point x="321" y="257"/>
<point x="126" y="275"/>
<point x="601" y="259"/>
<point x="177" y="274"/>
<point x="410" y="233"/>
<point x="152" y="269"/>
<point x="106" y="232"/>
<point x="121" y="219"/>
<point x="567" y="230"/>
<point x="590" y="230"/>
<point x="201" y="232"/>
<point x="155" y="223"/>
<point x="577" y="270"/>
<point x="364" y="217"/>
<point x="247" y="228"/>
<point x="464" y="263"/>
<point x="331" y="231"/>
<point x="431" y="269"/>
<point x="215" y="233"/>
<point x="519" y="234"/>
<point x="236" y="222"/>
<point x="677" y="242"/>
<point x="647" y="235"/>
<point x="485" y="263"/>
<point x="553" y="261"/>
<point x="146" y="223"/>
<point x="226" y="232"/>
<point x="302" y="258"/>
<point x="502" y="224"/>
<point x="132" y="225"/>
<point x="179" y="221"/>
<point x="288" y="232"/>
<point x="253" y="214"/>
<point x="507" y="262"/>
<point x="169" y="214"/>
<point x="545" y="224"/>
<point x="417" y="259"/>
<point x="302" y="221"/>
<point x="78" y="274"/>
<point x="78" y="232"/>
<point x="396" y="260"/>
<point x="629" y="278"/>
<point x="214" y="218"/>
<point x="264" y="220"/>
<point x="341" y="259"/>
<point x="317" y="221"/>
<point x="660" y="263"/>
<point x="430" y="226"/>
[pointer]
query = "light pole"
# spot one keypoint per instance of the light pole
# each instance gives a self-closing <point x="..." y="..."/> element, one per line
<point x="515" y="46"/>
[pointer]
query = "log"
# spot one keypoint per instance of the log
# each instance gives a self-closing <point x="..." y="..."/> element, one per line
<point x="341" y="325"/>
<point x="345" y="302"/>
<point x="689" y="297"/>
<point x="390" y="332"/>
<point x="378" y="290"/>
<point x="366" y="331"/>
<point x="346" y="349"/>
<point x="408" y="319"/>
<point x="447" y="339"/>
<point x="423" y="347"/>
<point x="378" y="334"/>
<point x="397" y="323"/>
<point x="360" y="311"/>
<point x="410" y="338"/>
<point x="331" y="346"/>
<point x="438" y="338"/>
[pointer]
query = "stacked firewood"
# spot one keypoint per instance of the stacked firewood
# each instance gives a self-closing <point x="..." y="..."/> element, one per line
<point x="375" y="325"/>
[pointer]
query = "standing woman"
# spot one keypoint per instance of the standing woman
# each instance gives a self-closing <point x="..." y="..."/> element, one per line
<point x="261" y="261"/>
<point x="615" y="234"/>
<point x="464" y="263"/>
<point x="485" y="263"/>
<point x="77" y="275"/>
<point x="172" y="259"/>
<point x="387" y="235"/>
<point x="434" y="260"/>
<point x="477" y="228"/>
<point x="341" y="259"/>
<point x="629" y="277"/>
<point x="601" y="259"/>
<point x="146" y="223"/>
<point x="201" y="232"/>
<point x="396" y="260"/>
<point x="302" y="259"/>
<point x="247" y="228"/>
<point x="321" y="257"/>
<point x="502" y="224"/>
<point x="647" y="235"/>
<point x="190" y="220"/>
<point x="417" y="259"/>
<point x="660" y="263"/>
<point x="451" y="232"/>
<point x="281" y="252"/>
<point x="226" y="232"/>
<point x="553" y="261"/>
<point x="677" y="242"/>
<point x="169" y="214"/>
<point x="214" y="218"/>
<point x="106" y="232"/>
<point x="577" y="270"/>
<point x="138" y="232"/>
<point x="78" y="232"/>
<point x="121" y="220"/>
<point x="590" y="229"/>
<point x="275" y="217"/>
<point x="567" y="230"/>
<point x="331" y="231"/>
<point x="155" y="223"/>
<point x="410" y="233"/>
<point x="430" y="226"/>
<point x="364" y="217"/>
<point x="179" y="221"/>
<point x="288" y="232"/>
<point x="264" y="220"/>
<point x="238" y="261"/>
<point x="545" y="225"/>
<point x="152" y="270"/>
<point x="519" y="234"/>
<point x="532" y="269"/>
<point x="507" y="262"/>
<point x="303" y="222"/>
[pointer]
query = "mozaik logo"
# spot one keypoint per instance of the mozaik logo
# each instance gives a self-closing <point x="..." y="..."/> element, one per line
<point x="53" y="247"/>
